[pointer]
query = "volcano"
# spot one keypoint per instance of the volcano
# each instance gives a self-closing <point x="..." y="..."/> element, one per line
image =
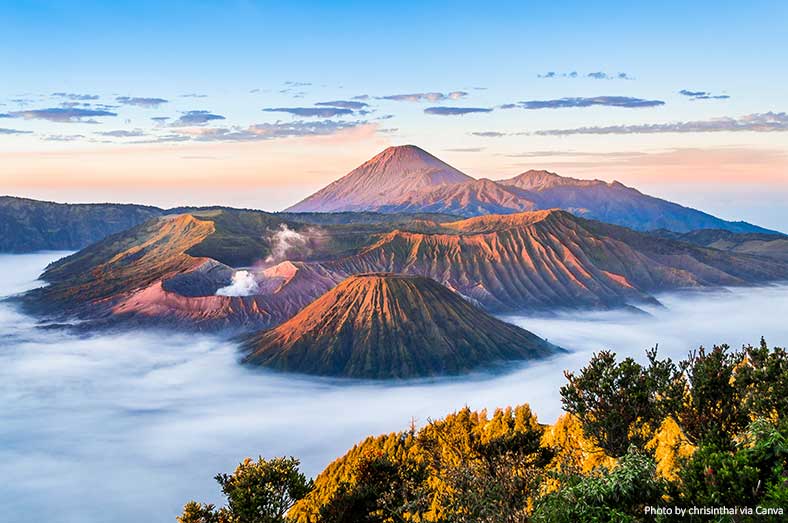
<point x="391" y="326"/>
<point x="391" y="175"/>
<point x="407" y="179"/>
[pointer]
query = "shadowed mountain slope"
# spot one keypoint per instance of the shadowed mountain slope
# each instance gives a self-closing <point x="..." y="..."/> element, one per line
<point x="768" y="245"/>
<point x="616" y="203"/>
<point x="391" y="326"/>
<point x="30" y="225"/>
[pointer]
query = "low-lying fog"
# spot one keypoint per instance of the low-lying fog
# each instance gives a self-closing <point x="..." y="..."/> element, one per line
<point x="128" y="427"/>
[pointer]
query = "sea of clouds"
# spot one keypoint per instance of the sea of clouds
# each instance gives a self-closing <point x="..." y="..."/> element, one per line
<point x="127" y="427"/>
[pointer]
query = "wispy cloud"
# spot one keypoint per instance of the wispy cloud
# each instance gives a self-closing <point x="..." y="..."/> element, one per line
<point x="64" y="137"/>
<point x="553" y="74"/>
<point x="268" y="131"/>
<point x="75" y="104"/>
<point x="311" y="112"/>
<point x="293" y="92"/>
<point x="196" y="118"/>
<point x="465" y="150"/>
<point x="76" y="96"/>
<point x="62" y="114"/>
<point x="262" y="131"/>
<point x="456" y="111"/>
<point x="122" y="133"/>
<point x="600" y="75"/>
<point x="141" y="102"/>
<point x="194" y="95"/>
<point x="758" y="122"/>
<point x="609" y="101"/>
<point x="488" y="134"/>
<point x="574" y="154"/>
<point x="595" y="75"/>
<point x="166" y="138"/>
<point x="13" y="131"/>
<point x="346" y="104"/>
<point x="426" y="97"/>
<point x="703" y="95"/>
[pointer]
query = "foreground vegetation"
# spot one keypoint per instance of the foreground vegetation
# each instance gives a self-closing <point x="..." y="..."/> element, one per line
<point x="703" y="433"/>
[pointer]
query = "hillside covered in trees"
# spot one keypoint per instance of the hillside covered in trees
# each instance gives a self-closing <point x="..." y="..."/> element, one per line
<point x="702" y="439"/>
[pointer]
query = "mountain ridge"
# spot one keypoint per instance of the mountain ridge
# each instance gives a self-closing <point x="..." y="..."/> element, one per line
<point x="28" y="225"/>
<point x="540" y="260"/>
<point x="611" y="202"/>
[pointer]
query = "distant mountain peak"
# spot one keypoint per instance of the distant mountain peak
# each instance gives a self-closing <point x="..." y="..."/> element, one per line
<point x="392" y="173"/>
<point x="403" y="153"/>
<point x="407" y="179"/>
<point x="537" y="180"/>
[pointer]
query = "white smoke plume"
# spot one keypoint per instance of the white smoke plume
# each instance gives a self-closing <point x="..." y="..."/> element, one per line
<point x="287" y="242"/>
<point x="243" y="284"/>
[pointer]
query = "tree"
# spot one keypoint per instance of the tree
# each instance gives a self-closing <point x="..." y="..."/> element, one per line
<point x="614" y="496"/>
<point x="763" y="381"/>
<point x="619" y="404"/>
<point x="380" y="491"/>
<point x="754" y="470"/>
<point x="263" y="491"/>
<point x="713" y="410"/>
<point x="194" y="512"/>
<point x="486" y="471"/>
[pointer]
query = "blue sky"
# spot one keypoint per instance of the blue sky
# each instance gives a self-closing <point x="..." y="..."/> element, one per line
<point x="245" y="58"/>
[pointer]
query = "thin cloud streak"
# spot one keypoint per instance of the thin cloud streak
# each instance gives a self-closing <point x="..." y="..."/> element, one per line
<point x="425" y="97"/>
<point x="311" y="112"/>
<point x="257" y="132"/>
<point x="62" y="114"/>
<point x="609" y="101"/>
<point x="757" y="122"/>
<point x="196" y="118"/>
<point x="703" y="95"/>
<point x="456" y="111"/>
<point x="345" y="104"/>
<point x="76" y="96"/>
<point x="152" y="103"/>
<point x="121" y="133"/>
<point x="596" y="75"/>
<point x="13" y="131"/>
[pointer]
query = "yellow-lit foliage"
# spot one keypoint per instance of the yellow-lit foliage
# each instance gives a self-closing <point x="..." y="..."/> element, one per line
<point x="670" y="447"/>
<point x="441" y="443"/>
<point x="574" y="452"/>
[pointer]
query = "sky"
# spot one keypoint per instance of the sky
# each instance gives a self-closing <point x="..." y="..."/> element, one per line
<point x="258" y="104"/>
